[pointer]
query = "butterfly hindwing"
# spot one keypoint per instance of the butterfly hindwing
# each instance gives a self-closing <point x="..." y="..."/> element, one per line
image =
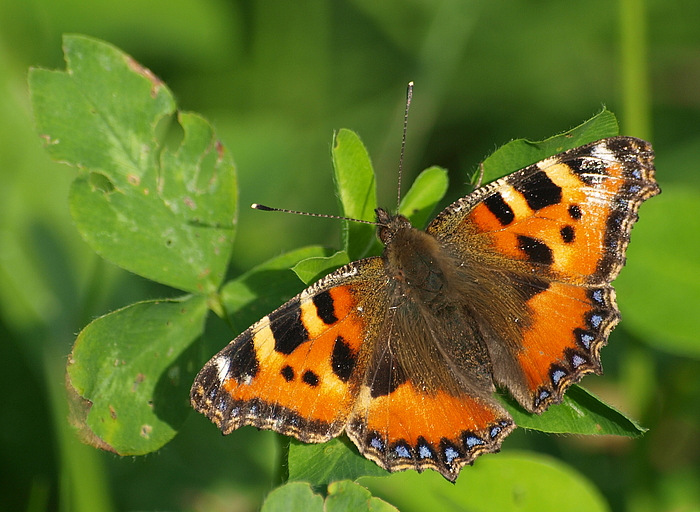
<point x="416" y="409"/>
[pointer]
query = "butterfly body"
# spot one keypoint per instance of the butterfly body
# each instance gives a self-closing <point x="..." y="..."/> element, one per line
<point x="508" y="286"/>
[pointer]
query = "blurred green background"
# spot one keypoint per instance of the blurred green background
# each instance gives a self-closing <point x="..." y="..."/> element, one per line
<point x="276" y="78"/>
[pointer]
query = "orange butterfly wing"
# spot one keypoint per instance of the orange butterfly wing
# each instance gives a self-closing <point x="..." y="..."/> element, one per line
<point x="558" y="231"/>
<point x="296" y="370"/>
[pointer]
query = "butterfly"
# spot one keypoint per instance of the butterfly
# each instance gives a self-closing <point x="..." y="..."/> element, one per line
<point x="508" y="286"/>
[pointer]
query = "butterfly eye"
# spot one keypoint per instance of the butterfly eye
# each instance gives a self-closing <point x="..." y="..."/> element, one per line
<point x="385" y="234"/>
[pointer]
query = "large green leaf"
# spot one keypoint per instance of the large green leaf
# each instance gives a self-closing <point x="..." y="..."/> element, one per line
<point x="356" y="188"/>
<point x="166" y="215"/>
<point x="520" y="153"/>
<point x="321" y="464"/>
<point x="130" y="372"/>
<point x="580" y="412"/>
<point x="509" y="481"/>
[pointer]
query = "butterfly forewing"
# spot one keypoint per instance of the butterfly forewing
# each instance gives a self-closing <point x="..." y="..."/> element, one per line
<point x="297" y="370"/>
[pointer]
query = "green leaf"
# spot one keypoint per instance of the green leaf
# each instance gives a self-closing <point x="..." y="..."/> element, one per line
<point x="427" y="190"/>
<point x="580" y="412"/>
<point x="312" y="269"/>
<point x="342" y="496"/>
<point x="659" y="289"/>
<point x="166" y="215"/>
<point x="131" y="371"/>
<point x="507" y="482"/>
<point x="293" y="497"/>
<point x="520" y="153"/>
<point x="321" y="464"/>
<point x="356" y="188"/>
<point x="348" y="496"/>
<point x="419" y="202"/>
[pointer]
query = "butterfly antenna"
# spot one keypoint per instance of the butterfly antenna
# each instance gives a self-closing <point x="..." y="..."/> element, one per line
<point x="256" y="206"/>
<point x="409" y="95"/>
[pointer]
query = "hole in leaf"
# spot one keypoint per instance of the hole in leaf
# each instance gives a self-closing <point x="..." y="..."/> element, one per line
<point x="169" y="133"/>
<point x="99" y="181"/>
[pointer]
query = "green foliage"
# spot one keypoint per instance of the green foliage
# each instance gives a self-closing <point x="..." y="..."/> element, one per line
<point x="580" y="412"/>
<point x="293" y="496"/>
<point x="133" y="369"/>
<point x="511" y="481"/>
<point x="427" y="190"/>
<point x="520" y="153"/>
<point x="356" y="188"/>
<point x="322" y="464"/>
<point x="665" y="274"/>
<point x="100" y="116"/>
<point x="342" y="496"/>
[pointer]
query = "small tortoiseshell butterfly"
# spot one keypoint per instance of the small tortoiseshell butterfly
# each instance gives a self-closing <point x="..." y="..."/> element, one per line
<point x="508" y="286"/>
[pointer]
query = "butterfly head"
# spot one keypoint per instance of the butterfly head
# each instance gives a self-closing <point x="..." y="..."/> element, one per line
<point x="388" y="225"/>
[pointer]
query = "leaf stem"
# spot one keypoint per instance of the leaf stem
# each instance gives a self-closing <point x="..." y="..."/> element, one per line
<point x="636" y="104"/>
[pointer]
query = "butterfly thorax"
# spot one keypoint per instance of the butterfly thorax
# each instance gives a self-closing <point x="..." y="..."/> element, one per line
<point x="413" y="258"/>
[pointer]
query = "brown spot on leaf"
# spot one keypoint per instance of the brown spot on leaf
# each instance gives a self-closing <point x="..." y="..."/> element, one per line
<point x="78" y="408"/>
<point x="138" y="380"/>
<point x="156" y="82"/>
<point x="146" y="431"/>
<point x="48" y="141"/>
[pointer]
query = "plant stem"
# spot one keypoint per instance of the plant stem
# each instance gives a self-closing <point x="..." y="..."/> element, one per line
<point x="636" y="104"/>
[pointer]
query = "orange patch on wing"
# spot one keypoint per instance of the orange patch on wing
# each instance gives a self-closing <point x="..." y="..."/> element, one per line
<point x="558" y="311"/>
<point x="483" y="217"/>
<point x="304" y="381"/>
<point x="573" y="260"/>
<point x="350" y="324"/>
<point x="280" y="380"/>
<point x="408" y="414"/>
<point x="344" y="302"/>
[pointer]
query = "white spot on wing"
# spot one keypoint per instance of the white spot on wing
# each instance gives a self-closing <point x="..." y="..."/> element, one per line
<point x="222" y="364"/>
<point x="547" y="162"/>
<point x="601" y="151"/>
